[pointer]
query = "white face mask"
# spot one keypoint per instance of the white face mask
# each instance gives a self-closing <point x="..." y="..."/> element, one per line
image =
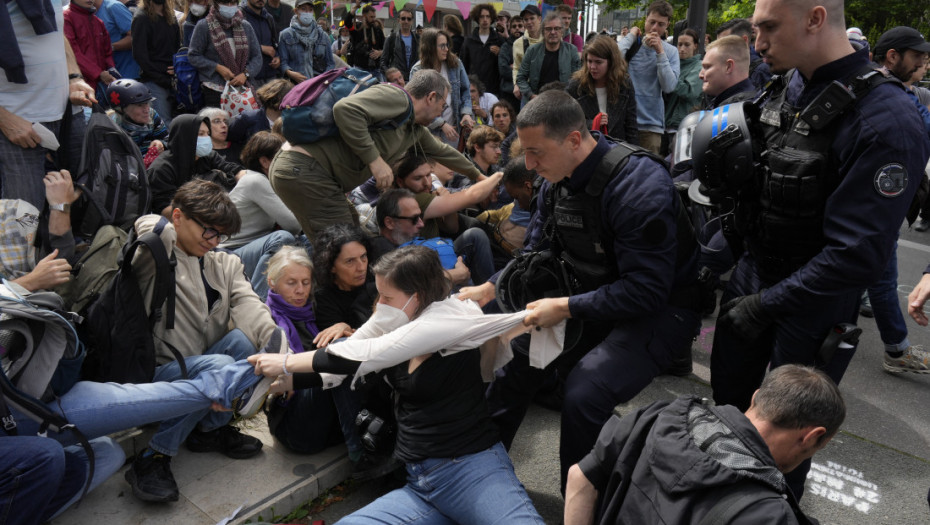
<point x="388" y="318"/>
<point x="198" y="9"/>
<point x="306" y="18"/>
<point x="228" y="11"/>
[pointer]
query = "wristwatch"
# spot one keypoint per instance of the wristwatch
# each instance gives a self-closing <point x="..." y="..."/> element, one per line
<point x="63" y="207"/>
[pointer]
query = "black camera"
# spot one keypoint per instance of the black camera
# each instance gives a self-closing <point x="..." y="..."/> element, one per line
<point x="377" y="435"/>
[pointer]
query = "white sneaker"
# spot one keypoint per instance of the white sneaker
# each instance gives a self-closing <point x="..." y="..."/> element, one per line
<point x="914" y="359"/>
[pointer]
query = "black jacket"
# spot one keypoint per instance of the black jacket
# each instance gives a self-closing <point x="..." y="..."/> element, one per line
<point x="670" y="462"/>
<point x="621" y="115"/>
<point x="177" y="164"/>
<point x="395" y="54"/>
<point x="364" y="39"/>
<point x="479" y="60"/>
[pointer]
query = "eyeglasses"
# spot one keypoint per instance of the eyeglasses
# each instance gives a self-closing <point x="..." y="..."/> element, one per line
<point x="443" y="46"/>
<point x="553" y="29"/>
<point x="406" y="19"/>
<point x="219" y="120"/>
<point x="414" y="219"/>
<point x="210" y="233"/>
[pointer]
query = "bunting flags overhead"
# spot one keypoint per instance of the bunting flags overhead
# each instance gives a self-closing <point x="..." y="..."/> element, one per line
<point x="399" y="4"/>
<point x="464" y="8"/>
<point x="429" y="7"/>
<point x="545" y="9"/>
<point x="569" y="3"/>
<point x="498" y="6"/>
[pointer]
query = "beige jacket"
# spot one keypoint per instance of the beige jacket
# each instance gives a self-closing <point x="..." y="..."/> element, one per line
<point x="196" y="329"/>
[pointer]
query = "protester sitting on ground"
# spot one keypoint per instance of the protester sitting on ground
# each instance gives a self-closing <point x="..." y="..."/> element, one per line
<point x="156" y="37"/>
<point x="603" y="87"/>
<point x="212" y="295"/>
<point x="343" y="301"/>
<point x="132" y="107"/>
<point x="189" y="156"/>
<point x="686" y="458"/>
<point x="484" y="148"/>
<point x="267" y="223"/>
<point x="456" y="117"/>
<point x="508" y="223"/>
<point x="481" y="101"/>
<point x="394" y="76"/>
<point x="399" y="222"/>
<point x="441" y="414"/>
<point x="503" y="117"/>
<point x="219" y="132"/>
<point x="313" y="418"/>
<point x="305" y="49"/>
<point x="225" y="50"/>
<point x="312" y="179"/>
<point x="439" y="210"/>
<point x="246" y="124"/>
<point x="22" y="263"/>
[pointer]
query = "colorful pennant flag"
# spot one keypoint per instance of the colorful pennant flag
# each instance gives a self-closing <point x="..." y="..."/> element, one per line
<point x="429" y="7"/>
<point x="464" y="8"/>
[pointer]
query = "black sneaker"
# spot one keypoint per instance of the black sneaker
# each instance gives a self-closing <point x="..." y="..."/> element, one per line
<point x="228" y="440"/>
<point x="152" y="480"/>
<point x="922" y="225"/>
<point x="371" y="466"/>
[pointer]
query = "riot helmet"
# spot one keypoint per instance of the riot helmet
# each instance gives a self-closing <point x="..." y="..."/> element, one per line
<point x="724" y="149"/>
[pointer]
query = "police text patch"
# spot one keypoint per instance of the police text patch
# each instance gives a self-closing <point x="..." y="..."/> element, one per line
<point x="891" y="180"/>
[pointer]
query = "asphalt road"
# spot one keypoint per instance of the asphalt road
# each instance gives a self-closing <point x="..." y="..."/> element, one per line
<point x="876" y="471"/>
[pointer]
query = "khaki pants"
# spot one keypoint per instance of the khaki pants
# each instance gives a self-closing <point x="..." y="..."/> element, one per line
<point x="651" y="141"/>
<point x="310" y="192"/>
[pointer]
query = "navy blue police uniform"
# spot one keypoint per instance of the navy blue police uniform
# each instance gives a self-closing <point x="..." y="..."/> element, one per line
<point x="827" y="216"/>
<point x="647" y="305"/>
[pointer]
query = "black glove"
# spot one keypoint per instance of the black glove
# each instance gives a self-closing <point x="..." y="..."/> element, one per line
<point x="746" y="316"/>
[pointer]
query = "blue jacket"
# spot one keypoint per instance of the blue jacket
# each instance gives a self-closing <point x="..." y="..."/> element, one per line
<point x="293" y="53"/>
<point x="246" y="124"/>
<point x="639" y="199"/>
<point x="860" y="224"/>
<point x="118" y="20"/>
<point x="204" y="57"/>
<point x="264" y="28"/>
<point x="461" y="95"/>
<point x="530" y="68"/>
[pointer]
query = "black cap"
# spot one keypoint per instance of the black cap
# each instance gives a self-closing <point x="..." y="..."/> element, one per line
<point x="901" y="38"/>
<point x="531" y="9"/>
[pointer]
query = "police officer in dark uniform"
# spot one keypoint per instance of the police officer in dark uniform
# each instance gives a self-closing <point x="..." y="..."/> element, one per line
<point x="845" y="150"/>
<point x="627" y="242"/>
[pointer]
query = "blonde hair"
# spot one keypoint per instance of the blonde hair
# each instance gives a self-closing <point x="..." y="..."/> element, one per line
<point x="732" y="47"/>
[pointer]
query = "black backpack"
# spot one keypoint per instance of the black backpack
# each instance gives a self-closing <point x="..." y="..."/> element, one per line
<point x="112" y="177"/>
<point x="116" y="329"/>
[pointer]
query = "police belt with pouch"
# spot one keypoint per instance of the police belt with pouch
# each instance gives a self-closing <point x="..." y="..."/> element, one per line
<point x="581" y="256"/>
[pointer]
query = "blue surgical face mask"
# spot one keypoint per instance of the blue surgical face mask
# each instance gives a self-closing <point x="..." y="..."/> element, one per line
<point x="204" y="146"/>
<point x="228" y="11"/>
<point x="306" y="18"/>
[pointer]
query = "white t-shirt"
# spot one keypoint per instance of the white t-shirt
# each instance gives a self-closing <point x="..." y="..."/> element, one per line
<point x="44" y="96"/>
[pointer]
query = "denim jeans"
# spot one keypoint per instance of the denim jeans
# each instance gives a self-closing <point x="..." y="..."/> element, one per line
<point x="886" y="307"/>
<point x="479" y="489"/>
<point x="475" y="248"/>
<point x="99" y="409"/>
<point x="39" y="477"/>
<point x="163" y="102"/>
<point x="255" y="257"/>
<point x="234" y="346"/>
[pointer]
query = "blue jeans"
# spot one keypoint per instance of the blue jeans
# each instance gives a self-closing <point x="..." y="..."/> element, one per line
<point x="108" y="459"/>
<point x="887" y="309"/>
<point x="234" y="346"/>
<point x="99" y="409"/>
<point x="475" y="248"/>
<point x="162" y="102"/>
<point x="255" y="257"/>
<point x="479" y="489"/>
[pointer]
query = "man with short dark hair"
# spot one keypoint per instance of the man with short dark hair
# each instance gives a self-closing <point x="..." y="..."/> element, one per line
<point x="484" y="147"/>
<point x="686" y="458"/>
<point x="367" y="38"/>
<point x="809" y="254"/>
<point x="402" y="48"/>
<point x="281" y="13"/>
<point x="482" y="47"/>
<point x="505" y="61"/>
<point x="553" y="60"/>
<point x="725" y="72"/>
<point x="759" y="72"/>
<point x="654" y="70"/>
<point x="615" y="215"/>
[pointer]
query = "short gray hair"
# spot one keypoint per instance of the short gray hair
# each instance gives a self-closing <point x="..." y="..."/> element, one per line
<point x="212" y="113"/>
<point x="795" y="396"/>
<point x="557" y="112"/>
<point x="286" y="256"/>
<point x="426" y="81"/>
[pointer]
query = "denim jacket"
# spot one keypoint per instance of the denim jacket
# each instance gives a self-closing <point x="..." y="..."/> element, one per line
<point x="292" y="54"/>
<point x="461" y="95"/>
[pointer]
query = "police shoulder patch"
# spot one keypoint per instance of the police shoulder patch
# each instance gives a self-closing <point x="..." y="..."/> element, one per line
<point x="890" y="180"/>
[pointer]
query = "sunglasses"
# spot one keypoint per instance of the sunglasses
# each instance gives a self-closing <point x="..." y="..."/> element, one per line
<point x="413" y="218"/>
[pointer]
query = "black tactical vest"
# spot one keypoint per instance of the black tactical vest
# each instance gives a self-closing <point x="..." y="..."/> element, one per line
<point x="801" y="171"/>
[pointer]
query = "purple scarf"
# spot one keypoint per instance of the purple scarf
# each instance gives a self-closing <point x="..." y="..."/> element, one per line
<point x="286" y="314"/>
